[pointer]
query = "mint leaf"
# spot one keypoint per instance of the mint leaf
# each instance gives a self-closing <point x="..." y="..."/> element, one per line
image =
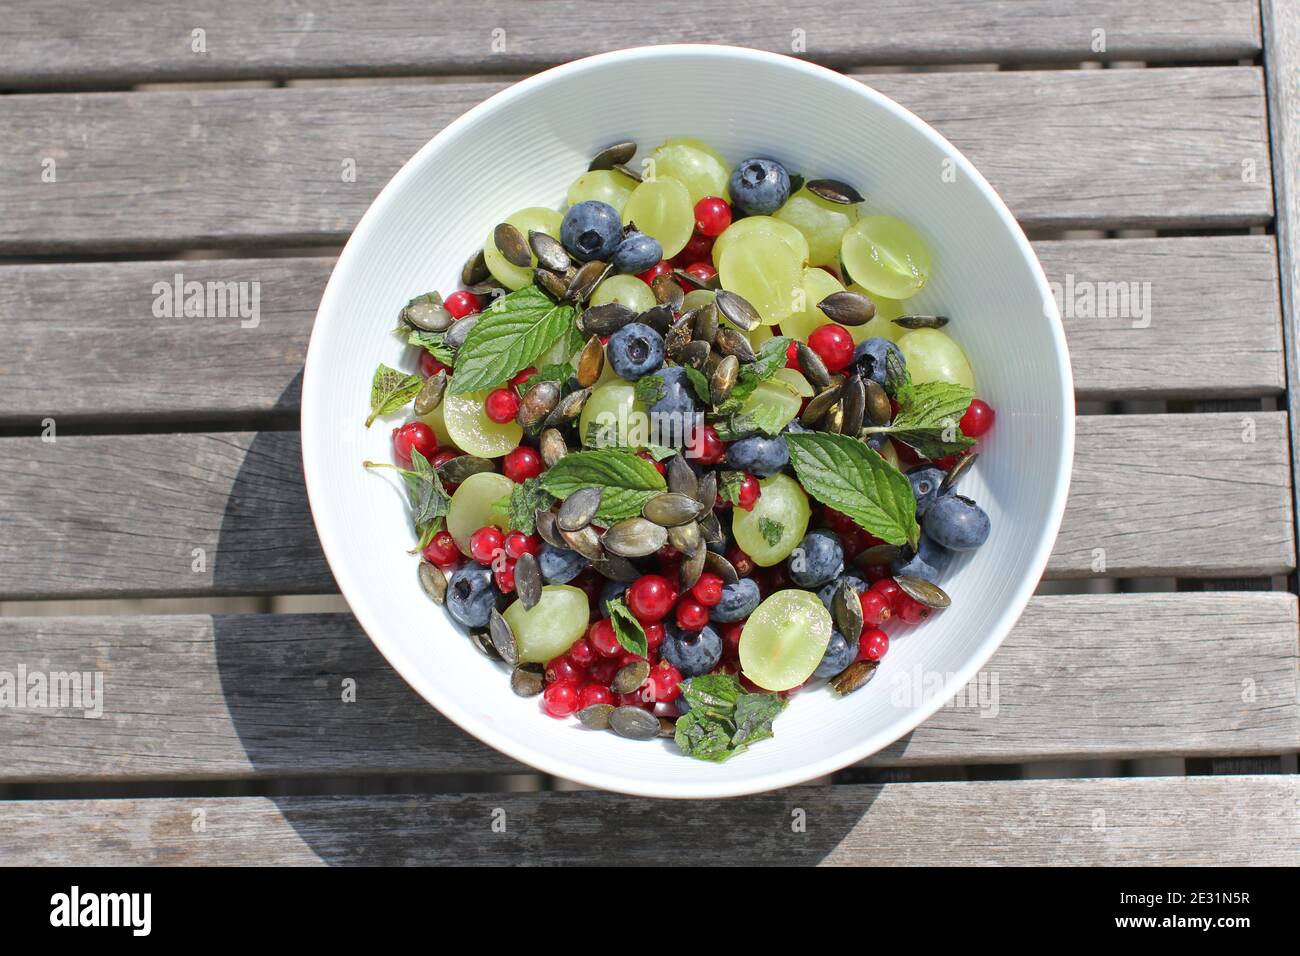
<point x="431" y="342"/>
<point x="753" y="718"/>
<point x="928" y="418"/>
<point x="526" y="499"/>
<point x="649" y="389"/>
<point x="424" y="490"/>
<point x="509" y="337"/>
<point x="390" y="390"/>
<point x="729" y="486"/>
<point x="723" y="720"/>
<point x="703" y="737"/>
<point x="627" y="628"/>
<point x="771" y="356"/>
<point x="853" y="479"/>
<point x="699" y="384"/>
<point x="771" y="531"/>
<point x="547" y="373"/>
<point x="659" y="452"/>
<point x="714" y="695"/>
<point x="626" y="481"/>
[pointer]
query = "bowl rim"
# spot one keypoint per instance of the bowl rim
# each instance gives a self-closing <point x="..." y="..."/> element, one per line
<point x="361" y="601"/>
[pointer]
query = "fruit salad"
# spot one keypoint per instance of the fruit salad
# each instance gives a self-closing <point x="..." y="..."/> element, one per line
<point x="678" y="450"/>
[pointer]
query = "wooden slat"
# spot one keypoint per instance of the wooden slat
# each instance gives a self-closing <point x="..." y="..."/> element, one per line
<point x="1104" y="148"/>
<point x="122" y="515"/>
<point x="131" y="366"/>
<point x="70" y="43"/>
<point x="1244" y="821"/>
<point x="259" y="695"/>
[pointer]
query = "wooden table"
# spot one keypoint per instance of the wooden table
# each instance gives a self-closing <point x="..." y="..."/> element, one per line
<point x="148" y="456"/>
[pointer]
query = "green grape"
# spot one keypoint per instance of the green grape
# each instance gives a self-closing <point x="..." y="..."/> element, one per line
<point x="934" y="357"/>
<point x="662" y="208"/>
<point x="697" y="166"/>
<point x="612" y="417"/>
<point x="697" y="299"/>
<point x="783" y="504"/>
<point x="766" y="225"/>
<point x="890" y="454"/>
<point x="557" y="354"/>
<point x="775" y="399"/>
<point x="817" y="284"/>
<point x="536" y="218"/>
<point x="602" y="185"/>
<point x="473" y="506"/>
<point x="886" y="254"/>
<point x="784" y="639"/>
<point x="821" y="222"/>
<point x="549" y="627"/>
<point x="794" y="381"/>
<point x="765" y="271"/>
<point x="438" y="423"/>
<point x="625" y="290"/>
<point x="756" y="336"/>
<point x="473" y="432"/>
<point x="882" y="326"/>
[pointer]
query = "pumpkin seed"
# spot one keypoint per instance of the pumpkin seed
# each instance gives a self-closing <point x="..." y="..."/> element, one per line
<point x="568" y="409"/>
<point x="834" y="420"/>
<point x="710" y="284"/>
<point x="510" y="243"/>
<point x="528" y="580"/>
<point x="538" y="402"/>
<point x="591" y="362"/>
<point x="491" y="291"/>
<point x="879" y="554"/>
<point x="723" y="379"/>
<point x="847" y="610"/>
<point x="711" y="528"/>
<point x="715" y="563"/>
<point x="921" y="321"/>
<point x="680" y="477"/>
<point x="707" y="495"/>
<point x="549" y="251"/>
<point x="672" y="508"/>
<point x="527" y="680"/>
<point x="585" y="280"/>
<point x="814" y="369"/>
<point x="461" y="328"/>
<point x="550" y="283"/>
<point x="737" y="311"/>
<point x="434" y="582"/>
<point x="954" y="474"/>
<point x="475" y="269"/>
<point x="431" y="393"/>
<point x="462" y="467"/>
<point x="832" y="190"/>
<point x="879" y="411"/>
<point x="731" y="342"/>
<point x="612" y="156"/>
<point x="667" y="727"/>
<point x="693" y="354"/>
<point x="616" y="568"/>
<point x="848" y="308"/>
<point x="552" y="446"/>
<point x="711" y="364"/>
<point x="627" y="171"/>
<point x="678" y="334"/>
<point x="629" y="678"/>
<point x="922" y="591"/>
<point x="483" y="644"/>
<point x="691" y="569"/>
<point x="596" y="716"/>
<point x="819" y="405"/>
<point x="706" y="323"/>
<point x="503" y="638"/>
<point x="634" y="723"/>
<point x="427" y="313"/>
<point x="578" y="509"/>
<point x="606" y="319"/>
<point x="586" y="542"/>
<point x="854" y="402"/>
<point x="545" y="522"/>
<point x="660" y="318"/>
<point x="686" y="538"/>
<point x="668" y="291"/>
<point x="853" y="677"/>
<point x="633" y="538"/>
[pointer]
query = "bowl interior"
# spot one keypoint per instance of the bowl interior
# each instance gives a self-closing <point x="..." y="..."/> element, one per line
<point x="523" y="148"/>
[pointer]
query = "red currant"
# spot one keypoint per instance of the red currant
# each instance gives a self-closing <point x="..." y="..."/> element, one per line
<point x="706" y="447"/>
<point x="501" y="405"/>
<point x="442" y="550"/>
<point x="521" y="464"/>
<point x="602" y="638"/>
<point x="654" y="636"/>
<point x="582" y="653"/>
<point x="703" y="271"/>
<point x="698" y="248"/>
<point x="792" y="356"/>
<point x="505" y="577"/>
<point x="742" y="562"/>
<point x="749" y="492"/>
<point x="603" y="671"/>
<point x="485" y="543"/>
<point x="415" y="435"/>
<point x="731" y="641"/>
<point x="563" y="668"/>
<point x="430" y="365"/>
<point x="876" y="608"/>
<point x="833" y="345"/>
<point x="591" y="694"/>
<point x="523" y="376"/>
<point x="977" y="420"/>
<point x="661" y="268"/>
<point x="664" y="680"/>
<point x="873" y="645"/>
<point x="462" y="303"/>
<point x="888" y="588"/>
<point x="692" y="615"/>
<point x="518" y="544"/>
<point x="560" y="700"/>
<point x="707" y="590"/>
<point x="650" y="598"/>
<point x="637" y="698"/>
<point x="712" y="216"/>
<point x="875" y="572"/>
<point x="646" y="456"/>
<point x="589" y="582"/>
<point x="911" y="610"/>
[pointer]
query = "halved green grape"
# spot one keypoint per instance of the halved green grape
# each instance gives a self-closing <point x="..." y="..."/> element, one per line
<point x="613" y="417"/>
<point x="625" y="290"/>
<point x="785" y="638"/>
<point x="472" y="431"/>
<point x="548" y="628"/>
<point x="764" y="270"/>
<point x="822" y="223"/>
<point x="751" y="225"/>
<point x="602" y="185"/>
<point x="794" y="381"/>
<point x="436" y="421"/>
<point x="781" y="513"/>
<point x="662" y="208"/>
<point x="536" y="218"/>
<point x="696" y="165"/>
<point x="473" y="506"/>
<point x="697" y="299"/>
<point x="934" y="357"/>
<point x="882" y="326"/>
<point x="777" y="401"/>
<point x="886" y="254"/>
<point x="890" y="454"/>
<point x="816" y="285"/>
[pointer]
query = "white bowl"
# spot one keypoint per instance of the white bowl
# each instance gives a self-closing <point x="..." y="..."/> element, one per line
<point x="522" y="148"/>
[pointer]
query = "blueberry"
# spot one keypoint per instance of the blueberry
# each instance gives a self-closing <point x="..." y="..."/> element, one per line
<point x="876" y="442"/>
<point x="957" y="523"/>
<point x="683" y="705"/>
<point x="759" y="187"/>
<point x="591" y="230"/>
<point x="925" y="481"/>
<point x="870" y="357"/>
<point x="818" y="558"/>
<point x="691" y="652"/>
<point x="795" y="428"/>
<point x="637" y="253"/>
<point x="827" y="590"/>
<point x="608" y="592"/>
<point x="470" y="595"/>
<point x="839" y="655"/>
<point x="738" y="601"/>
<point x="635" y="350"/>
<point x="678" y="402"/>
<point x="759" y="455"/>
<point x="560" y="565"/>
<point x="925" y="563"/>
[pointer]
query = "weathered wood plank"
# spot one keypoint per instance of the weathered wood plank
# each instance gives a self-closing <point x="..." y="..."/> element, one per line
<point x="130" y="365"/>
<point x="1156" y="821"/>
<point x="226" y="513"/>
<point x="189" y="697"/>
<point x="70" y="43"/>
<point x="1104" y="148"/>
